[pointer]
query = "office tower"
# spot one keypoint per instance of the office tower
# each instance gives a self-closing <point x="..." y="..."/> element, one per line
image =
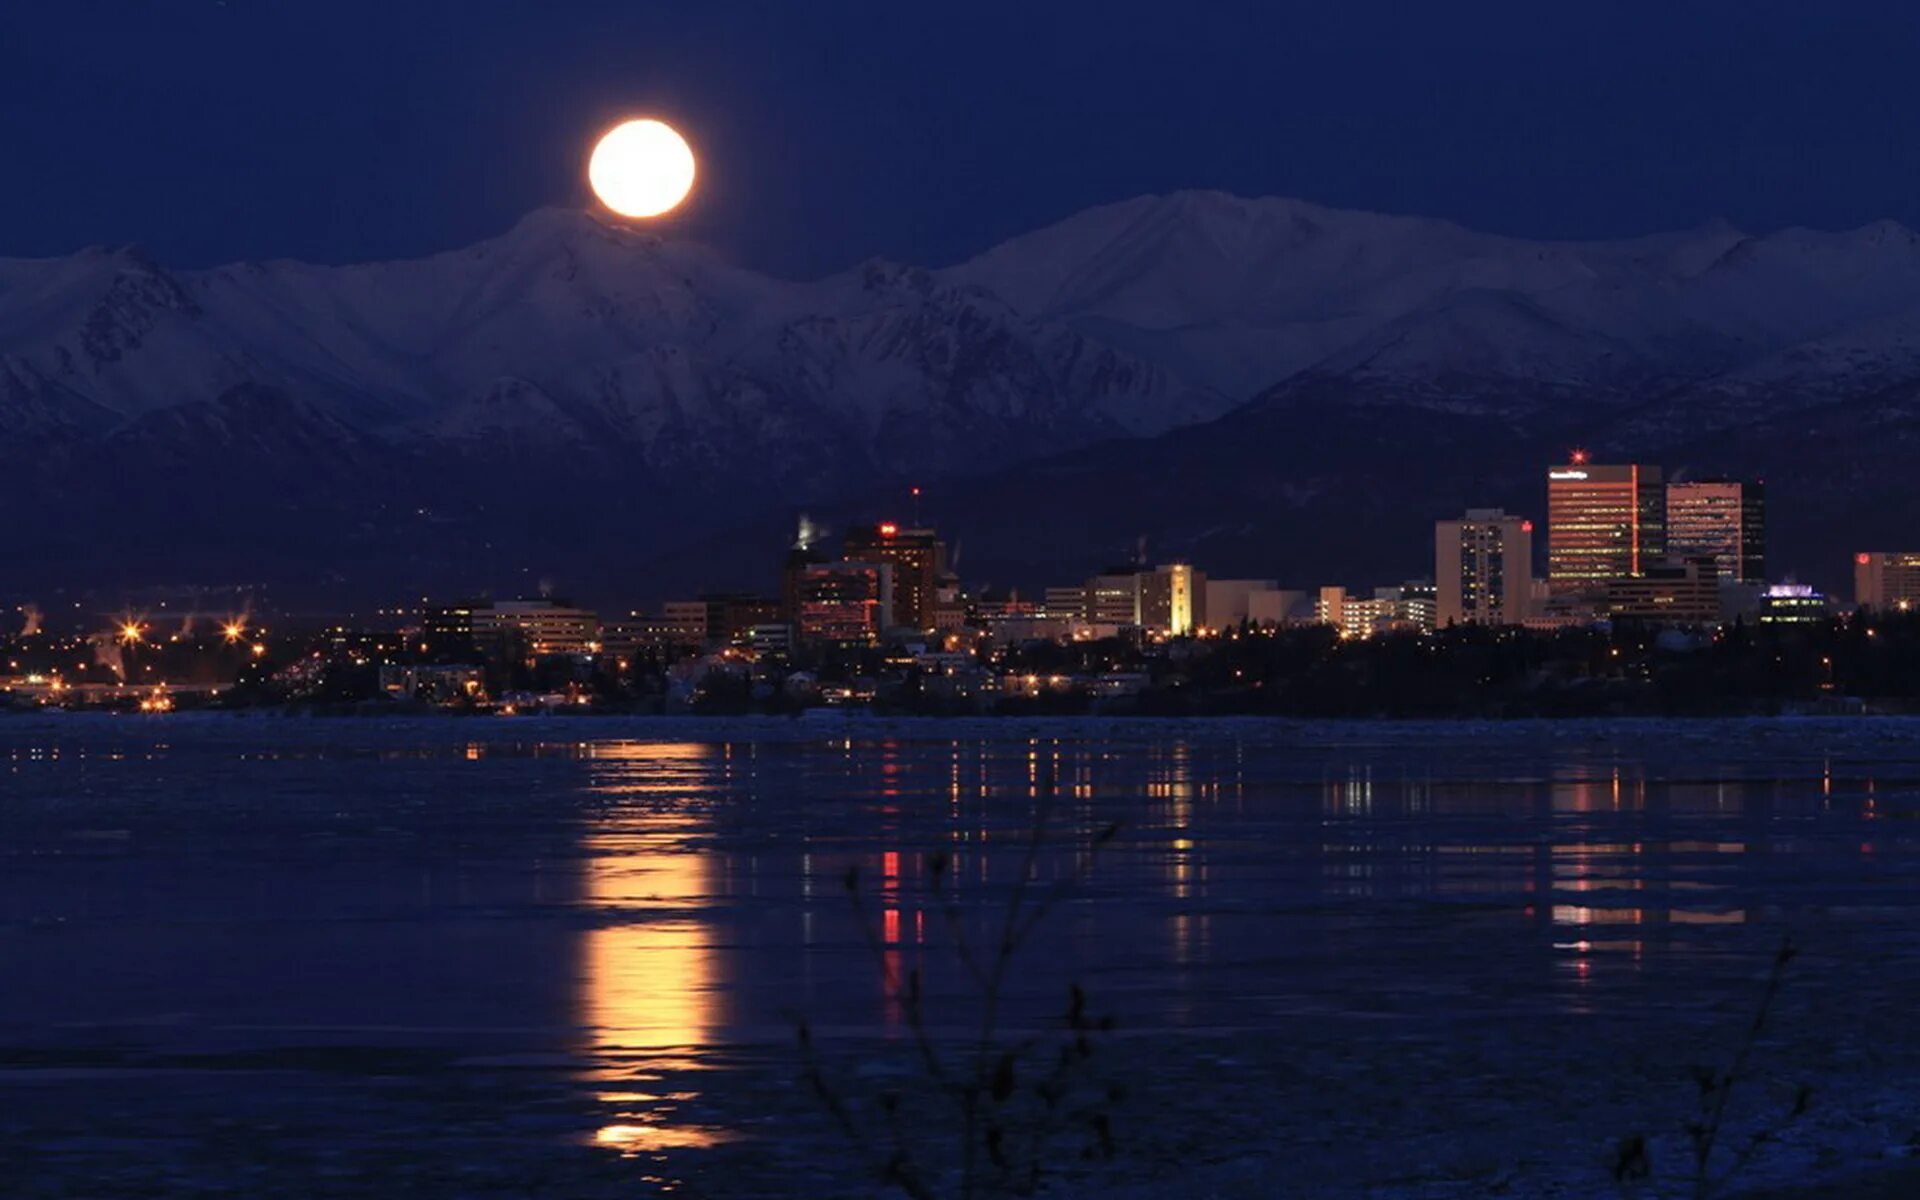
<point x="1113" y="598"/>
<point x="919" y="561"/>
<point x="1886" y="579"/>
<point x="1722" y="519"/>
<point x="1172" y="599"/>
<point x="1483" y="569"/>
<point x="1603" y="523"/>
<point x="845" y="602"/>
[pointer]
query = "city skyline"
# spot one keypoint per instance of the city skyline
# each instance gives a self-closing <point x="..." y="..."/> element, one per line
<point x="736" y="599"/>
<point x="1605" y="523"/>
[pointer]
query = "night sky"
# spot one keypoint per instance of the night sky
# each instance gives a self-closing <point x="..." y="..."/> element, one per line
<point x="340" y="130"/>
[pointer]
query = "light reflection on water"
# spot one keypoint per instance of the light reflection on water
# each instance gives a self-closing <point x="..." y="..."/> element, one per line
<point x="650" y="995"/>
<point x="1589" y="856"/>
<point x="672" y="904"/>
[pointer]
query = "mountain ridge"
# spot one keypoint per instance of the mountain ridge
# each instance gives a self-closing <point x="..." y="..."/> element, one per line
<point x="578" y="385"/>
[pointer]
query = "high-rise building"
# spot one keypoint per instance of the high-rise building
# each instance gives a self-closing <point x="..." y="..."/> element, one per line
<point x="919" y="561"/>
<point x="1603" y="523"/>
<point x="1722" y="519"/>
<point x="1886" y="579"/>
<point x="845" y="602"/>
<point x="1170" y="600"/>
<point x="1483" y="568"/>
<point x="1173" y="599"/>
<point x="1113" y="598"/>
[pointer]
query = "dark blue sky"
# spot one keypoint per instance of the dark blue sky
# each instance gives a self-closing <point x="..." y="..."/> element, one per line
<point x="830" y="131"/>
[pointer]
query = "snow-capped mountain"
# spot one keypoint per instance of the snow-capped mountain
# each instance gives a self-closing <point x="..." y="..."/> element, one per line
<point x="585" y="391"/>
<point x="1250" y="295"/>
<point x="623" y="335"/>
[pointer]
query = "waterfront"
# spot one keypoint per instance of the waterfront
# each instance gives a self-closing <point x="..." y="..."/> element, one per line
<point x="246" y="956"/>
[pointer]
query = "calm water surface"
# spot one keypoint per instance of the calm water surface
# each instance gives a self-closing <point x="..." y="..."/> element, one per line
<point x="244" y="957"/>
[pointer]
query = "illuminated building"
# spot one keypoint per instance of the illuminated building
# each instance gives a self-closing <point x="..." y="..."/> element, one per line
<point x="1483" y="569"/>
<point x="771" y="639"/>
<point x="1172" y="599"/>
<point x="688" y="619"/>
<point x="643" y="634"/>
<point x="1353" y="615"/>
<point x="1723" y="519"/>
<point x="1672" y="591"/>
<point x="1419" y="605"/>
<point x="1886" y="579"/>
<point x="845" y="602"/>
<point x="1793" y="604"/>
<point x="1169" y="600"/>
<point x="1406" y="608"/>
<point x="1113" y="598"/>
<point x="1065" y="603"/>
<point x="1603" y="523"/>
<point x="919" y="561"/>
<point x="449" y="628"/>
<point x="544" y="626"/>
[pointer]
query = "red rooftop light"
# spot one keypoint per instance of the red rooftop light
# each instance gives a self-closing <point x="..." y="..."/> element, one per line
<point x="889" y="529"/>
<point x="1578" y="458"/>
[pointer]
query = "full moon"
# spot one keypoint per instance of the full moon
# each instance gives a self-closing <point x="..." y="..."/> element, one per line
<point x="641" y="169"/>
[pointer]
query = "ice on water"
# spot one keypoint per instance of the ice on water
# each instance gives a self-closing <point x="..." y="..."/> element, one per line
<point x="565" y="957"/>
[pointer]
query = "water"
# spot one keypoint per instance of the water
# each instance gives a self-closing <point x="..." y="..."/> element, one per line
<point x="480" y="958"/>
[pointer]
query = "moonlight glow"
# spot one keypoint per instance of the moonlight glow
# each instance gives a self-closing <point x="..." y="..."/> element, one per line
<point x="641" y="169"/>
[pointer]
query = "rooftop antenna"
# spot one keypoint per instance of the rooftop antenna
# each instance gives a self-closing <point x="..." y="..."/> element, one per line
<point x="916" y="506"/>
<point x="1140" y="551"/>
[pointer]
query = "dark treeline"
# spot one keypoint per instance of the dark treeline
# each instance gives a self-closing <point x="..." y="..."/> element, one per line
<point x="1852" y="662"/>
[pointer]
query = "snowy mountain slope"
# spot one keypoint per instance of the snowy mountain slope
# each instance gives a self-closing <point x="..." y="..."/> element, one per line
<point x="1246" y="294"/>
<point x="580" y="386"/>
<point x="629" y="334"/>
